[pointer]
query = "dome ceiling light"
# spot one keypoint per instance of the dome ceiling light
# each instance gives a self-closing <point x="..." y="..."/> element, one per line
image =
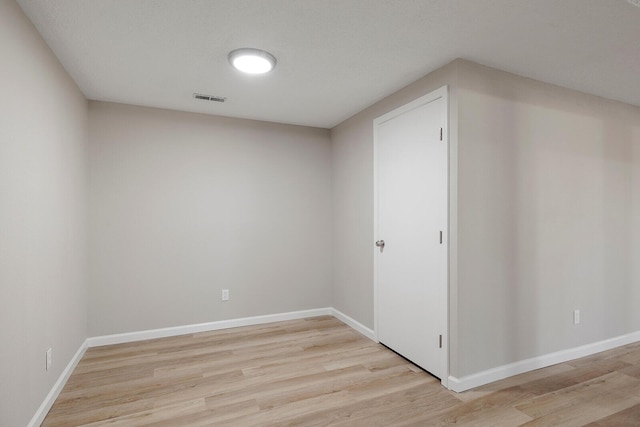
<point x="252" y="61"/>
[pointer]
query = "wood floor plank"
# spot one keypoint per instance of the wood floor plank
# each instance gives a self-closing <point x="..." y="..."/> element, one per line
<point x="585" y="402"/>
<point x="319" y="372"/>
<point x="489" y="417"/>
<point x="527" y="377"/>
<point x="486" y="407"/>
<point x="627" y="417"/>
<point x="155" y="415"/>
<point x="385" y="409"/>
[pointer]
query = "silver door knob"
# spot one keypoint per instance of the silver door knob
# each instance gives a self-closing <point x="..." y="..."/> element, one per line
<point x="380" y="243"/>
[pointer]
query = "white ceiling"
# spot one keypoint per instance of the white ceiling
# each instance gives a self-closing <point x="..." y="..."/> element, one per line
<point x="335" y="57"/>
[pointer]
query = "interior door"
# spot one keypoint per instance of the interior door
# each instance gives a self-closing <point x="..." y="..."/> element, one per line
<point x="411" y="220"/>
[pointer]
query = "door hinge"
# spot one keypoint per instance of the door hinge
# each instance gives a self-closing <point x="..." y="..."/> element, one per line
<point x="440" y="237"/>
<point x="440" y="134"/>
<point x="440" y="341"/>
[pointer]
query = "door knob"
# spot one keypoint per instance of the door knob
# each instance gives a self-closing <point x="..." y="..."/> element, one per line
<point x="380" y="244"/>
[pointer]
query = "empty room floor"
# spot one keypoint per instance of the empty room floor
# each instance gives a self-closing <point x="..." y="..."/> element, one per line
<point x="320" y="372"/>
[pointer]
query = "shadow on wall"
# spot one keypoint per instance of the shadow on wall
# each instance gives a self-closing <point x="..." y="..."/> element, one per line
<point x="546" y="220"/>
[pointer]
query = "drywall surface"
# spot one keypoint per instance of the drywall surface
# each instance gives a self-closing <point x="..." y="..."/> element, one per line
<point x="544" y="216"/>
<point x="184" y="205"/>
<point x="43" y="298"/>
<point x="353" y="227"/>
<point x="548" y="219"/>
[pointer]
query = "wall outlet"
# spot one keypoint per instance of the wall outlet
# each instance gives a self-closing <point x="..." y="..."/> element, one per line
<point x="49" y="359"/>
<point x="576" y="317"/>
<point x="225" y="295"/>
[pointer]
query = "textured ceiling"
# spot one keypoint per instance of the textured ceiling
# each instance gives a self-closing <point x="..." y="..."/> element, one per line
<point x="335" y="57"/>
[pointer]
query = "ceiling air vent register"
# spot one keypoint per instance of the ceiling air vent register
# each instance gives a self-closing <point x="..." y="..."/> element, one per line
<point x="211" y="98"/>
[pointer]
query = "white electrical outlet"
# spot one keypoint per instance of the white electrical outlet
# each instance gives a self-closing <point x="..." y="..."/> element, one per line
<point x="49" y="359"/>
<point x="576" y="317"/>
<point x="225" y="295"/>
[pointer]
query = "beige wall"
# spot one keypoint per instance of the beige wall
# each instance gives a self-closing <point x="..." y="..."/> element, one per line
<point x="184" y="205"/>
<point x="43" y="298"/>
<point x="544" y="219"/>
<point x="352" y="151"/>
<point x="549" y="190"/>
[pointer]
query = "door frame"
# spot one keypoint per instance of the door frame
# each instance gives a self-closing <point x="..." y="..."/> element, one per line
<point x="440" y="93"/>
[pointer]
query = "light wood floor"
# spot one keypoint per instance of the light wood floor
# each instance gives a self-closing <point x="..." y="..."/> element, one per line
<point x="319" y="372"/>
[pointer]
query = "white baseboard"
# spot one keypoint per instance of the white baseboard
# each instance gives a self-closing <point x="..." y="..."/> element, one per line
<point x="204" y="327"/>
<point x="498" y="373"/>
<point x="354" y="324"/>
<point x="455" y="384"/>
<point x="43" y="410"/>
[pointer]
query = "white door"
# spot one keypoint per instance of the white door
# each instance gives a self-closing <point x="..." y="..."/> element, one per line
<point x="411" y="218"/>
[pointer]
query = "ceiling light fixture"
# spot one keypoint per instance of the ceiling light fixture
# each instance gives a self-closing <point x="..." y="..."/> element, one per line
<point x="252" y="61"/>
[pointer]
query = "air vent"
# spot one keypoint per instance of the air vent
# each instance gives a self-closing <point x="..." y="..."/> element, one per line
<point x="212" y="98"/>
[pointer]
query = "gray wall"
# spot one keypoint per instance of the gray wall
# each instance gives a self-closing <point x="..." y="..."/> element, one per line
<point x="43" y="298"/>
<point x="183" y="205"/>
<point x="352" y="151"/>
<point x="544" y="215"/>
<point x="549" y="193"/>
